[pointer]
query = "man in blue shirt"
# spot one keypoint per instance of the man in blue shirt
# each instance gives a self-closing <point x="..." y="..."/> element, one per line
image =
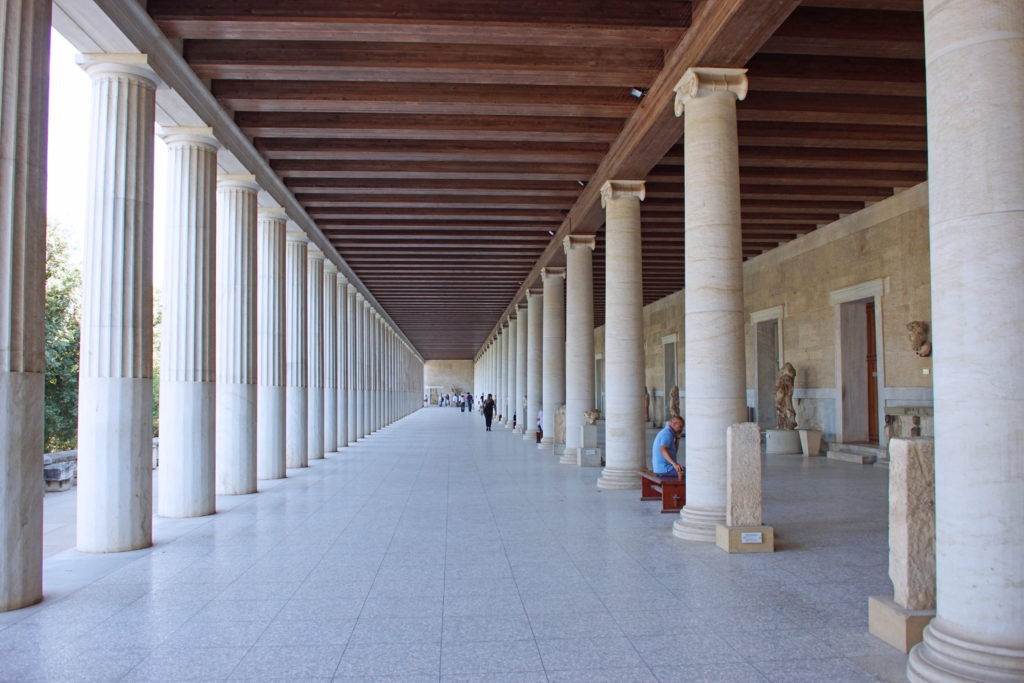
<point x="663" y="452"/>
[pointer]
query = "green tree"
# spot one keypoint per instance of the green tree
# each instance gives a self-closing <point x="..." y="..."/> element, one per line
<point x="63" y="286"/>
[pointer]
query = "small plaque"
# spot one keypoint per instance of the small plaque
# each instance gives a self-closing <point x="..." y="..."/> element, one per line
<point x="752" y="537"/>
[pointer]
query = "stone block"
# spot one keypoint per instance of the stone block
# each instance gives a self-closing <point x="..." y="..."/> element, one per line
<point x="898" y="626"/>
<point x="781" y="441"/>
<point x="588" y="436"/>
<point x="912" y="522"/>
<point x="745" y="539"/>
<point x="743" y="475"/>
<point x="589" y="457"/>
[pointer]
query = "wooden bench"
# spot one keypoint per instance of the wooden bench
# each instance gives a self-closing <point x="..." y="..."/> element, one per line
<point x="671" y="492"/>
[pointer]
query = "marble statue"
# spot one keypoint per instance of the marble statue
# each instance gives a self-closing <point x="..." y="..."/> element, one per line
<point x="674" y="401"/>
<point x="591" y="417"/>
<point x="560" y="424"/>
<point x="918" y="337"/>
<point x="647" y="404"/>
<point x="784" y="397"/>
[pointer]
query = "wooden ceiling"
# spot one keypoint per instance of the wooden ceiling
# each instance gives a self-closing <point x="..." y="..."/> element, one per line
<point x="446" y="146"/>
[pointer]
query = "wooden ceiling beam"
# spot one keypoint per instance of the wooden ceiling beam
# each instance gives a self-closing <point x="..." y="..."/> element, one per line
<point x="830" y="75"/>
<point x="429" y="150"/>
<point x="843" y="32"/>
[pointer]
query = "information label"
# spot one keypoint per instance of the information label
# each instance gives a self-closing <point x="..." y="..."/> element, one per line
<point x="751" y="537"/>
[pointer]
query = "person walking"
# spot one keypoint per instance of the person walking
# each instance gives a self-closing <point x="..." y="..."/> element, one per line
<point x="488" y="409"/>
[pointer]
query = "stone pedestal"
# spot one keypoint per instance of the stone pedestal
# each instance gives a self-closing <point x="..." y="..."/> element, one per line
<point x="588" y="454"/>
<point x="270" y="347"/>
<point x="900" y="621"/>
<point x="810" y="442"/>
<point x="743" y="531"/>
<point x="781" y="441"/>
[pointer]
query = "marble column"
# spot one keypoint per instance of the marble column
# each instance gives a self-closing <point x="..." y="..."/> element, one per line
<point x="716" y="394"/>
<point x="554" y="350"/>
<point x="315" y="351"/>
<point x="510" y="372"/>
<point x="342" y="360"/>
<point x="23" y="113"/>
<point x="115" y="390"/>
<point x="519" y="394"/>
<point x="236" y="334"/>
<point x="579" y="338"/>
<point x="534" y="365"/>
<point x="364" y="370"/>
<point x="270" y="346"/>
<point x="352" y="363"/>
<point x="296" y="351"/>
<point x="187" y="350"/>
<point x="623" y="336"/>
<point x="330" y="347"/>
<point x="500" y="349"/>
<point x="974" y="54"/>
<point x="371" y="370"/>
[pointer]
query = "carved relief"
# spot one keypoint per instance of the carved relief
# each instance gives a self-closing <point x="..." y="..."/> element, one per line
<point x="918" y="337"/>
<point x="591" y="417"/>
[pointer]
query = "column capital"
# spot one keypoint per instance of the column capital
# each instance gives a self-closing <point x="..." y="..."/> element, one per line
<point x="353" y="290"/>
<point x="271" y="212"/>
<point x="238" y="181"/>
<point x="552" y="272"/>
<point x="533" y="291"/>
<point x="699" y="81"/>
<point x="366" y="302"/>
<point x="131" y="64"/>
<point x="296" y="236"/>
<point x="330" y="268"/>
<point x="201" y="136"/>
<point x="522" y="307"/>
<point x="343" y="281"/>
<point x="314" y="253"/>
<point x="579" y="242"/>
<point x="619" y="189"/>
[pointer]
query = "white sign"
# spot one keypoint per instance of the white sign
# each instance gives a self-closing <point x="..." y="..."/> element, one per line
<point x="751" y="537"/>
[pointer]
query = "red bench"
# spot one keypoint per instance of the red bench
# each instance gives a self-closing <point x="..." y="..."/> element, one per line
<point x="671" y="492"/>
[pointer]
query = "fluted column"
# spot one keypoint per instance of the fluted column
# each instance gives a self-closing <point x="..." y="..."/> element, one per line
<point x="519" y="392"/>
<point x="715" y="370"/>
<point x="378" y="355"/>
<point x="534" y="365"/>
<point x="296" y="351"/>
<point x="974" y="52"/>
<point x="270" y="345"/>
<point x="554" y="350"/>
<point x="364" y="348"/>
<point x="579" y="338"/>
<point x="25" y="33"/>
<point x="342" y="360"/>
<point x="623" y="336"/>
<point x="187" y="339"/>
<point x="352" y="364"/>
<point x="510" y="371"/>
<point x="115" y="391"/>
<point x="236" y="334"/>
<point x="315" y="350"/>
<point x="500" y="358"/>
<point x="330" y="346"/>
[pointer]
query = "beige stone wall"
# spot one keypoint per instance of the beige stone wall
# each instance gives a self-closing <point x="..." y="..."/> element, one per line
<point x="886" y="242"/>
<point x="448" y="373"/>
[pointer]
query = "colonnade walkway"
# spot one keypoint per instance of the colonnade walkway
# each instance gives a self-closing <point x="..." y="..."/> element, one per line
<point x="436" y="550"/>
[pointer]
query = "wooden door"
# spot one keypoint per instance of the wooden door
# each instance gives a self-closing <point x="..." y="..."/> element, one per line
<point x="872" y="363"/>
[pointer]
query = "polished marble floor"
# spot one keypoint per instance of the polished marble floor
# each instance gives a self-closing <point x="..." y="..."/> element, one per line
<point x="434" y="550"/>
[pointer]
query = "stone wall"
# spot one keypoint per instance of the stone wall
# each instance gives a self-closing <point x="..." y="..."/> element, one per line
<point x="449" y="373"/>
<point x="885" y="244"/>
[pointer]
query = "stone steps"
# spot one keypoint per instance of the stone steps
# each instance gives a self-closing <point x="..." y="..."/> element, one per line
<point x="862" y="454"/>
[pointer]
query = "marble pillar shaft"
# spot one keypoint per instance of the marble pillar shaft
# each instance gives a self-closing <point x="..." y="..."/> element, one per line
<point x="296" y="368"/>
<point x="553" y="391"/>
<point x="715" y="369"/>
<point x="352" y="363"/>
<point x="579" y="338"/>
<point x="236" y="335"/>
<point x="534" y="365"/>
<point x="974" y="53"/>
<point x="624" y="336"/>
<point x="115" y="391"/>
<point x="343" y="365"/>
<point x="510" y="372"/>
<point x="330" y="348"/>
<point x="519" y="395"/>
<point x="315" y="352"/>
<point x="270" y="347"/>
<point x="187" y="349"/>
<point x="23" y="116"/>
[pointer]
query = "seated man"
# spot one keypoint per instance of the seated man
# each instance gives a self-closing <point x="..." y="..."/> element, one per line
<point x="663" y="452"/>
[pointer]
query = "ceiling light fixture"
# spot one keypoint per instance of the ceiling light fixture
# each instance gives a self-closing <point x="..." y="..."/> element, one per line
<point x="638" y="92"/>
<point x="581" y="183"/>
<point x="551" y="232"/>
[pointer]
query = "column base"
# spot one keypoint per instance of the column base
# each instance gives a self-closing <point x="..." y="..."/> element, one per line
<point x="898" y="626"/>
<point x="745" y="539"/>
<point x="530" y="435"/>
<point x="614" y="479"/>
<point x="698" y="524"/>
<point x="944" y="657"/>
<point x="569" y="455"/>
<point x="547" y="443"/>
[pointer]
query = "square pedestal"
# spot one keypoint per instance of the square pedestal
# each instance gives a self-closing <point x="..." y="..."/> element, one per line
<point x="780" y="441"/>
<point x="745" y="539"/>
<point x="588" y="457"/>
<point x="898" y="626"/>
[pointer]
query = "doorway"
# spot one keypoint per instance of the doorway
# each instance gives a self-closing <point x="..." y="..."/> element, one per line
<point x="599" y="383"/>
<point x="859" y="371"/>
<point x="767" y="341"/>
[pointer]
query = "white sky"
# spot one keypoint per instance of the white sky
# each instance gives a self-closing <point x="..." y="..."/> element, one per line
<point x="68" y="153"/>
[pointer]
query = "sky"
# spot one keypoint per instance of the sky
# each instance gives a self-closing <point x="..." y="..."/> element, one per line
<point x="68" y="154"/>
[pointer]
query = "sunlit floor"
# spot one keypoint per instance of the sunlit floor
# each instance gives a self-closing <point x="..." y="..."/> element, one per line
<point x="437" y="550"/>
